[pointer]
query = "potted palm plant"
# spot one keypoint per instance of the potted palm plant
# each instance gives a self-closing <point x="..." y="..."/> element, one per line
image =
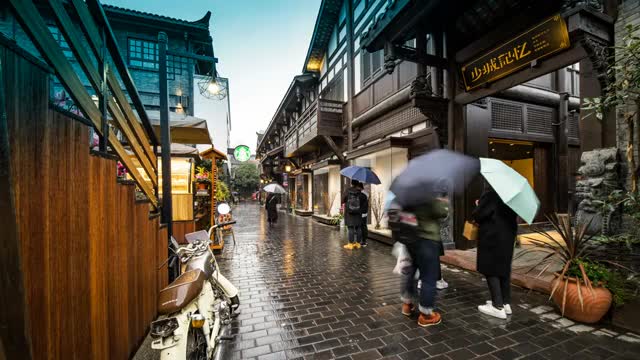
<point x="580" y="287"/>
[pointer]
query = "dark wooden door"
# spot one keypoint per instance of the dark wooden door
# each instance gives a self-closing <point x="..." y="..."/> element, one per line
<point x="542" y="173"/>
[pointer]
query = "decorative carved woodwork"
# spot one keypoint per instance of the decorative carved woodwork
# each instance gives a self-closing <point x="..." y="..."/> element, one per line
<point x="597" y="5"/>
<point x="600" y="55"/>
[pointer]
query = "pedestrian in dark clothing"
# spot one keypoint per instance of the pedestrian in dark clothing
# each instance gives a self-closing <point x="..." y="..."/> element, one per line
<point x="354" y="204"/>
<point x="497" y="233"/>
<point x="272" y="210"/>
<point x="425" y="252"/>
<point x="365" y="221"/>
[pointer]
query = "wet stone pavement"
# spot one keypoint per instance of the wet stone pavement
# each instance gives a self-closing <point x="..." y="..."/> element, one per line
<point x="305" y="297"/>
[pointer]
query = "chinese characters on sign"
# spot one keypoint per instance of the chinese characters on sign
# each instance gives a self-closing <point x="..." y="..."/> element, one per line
<point x="544" y="39"/>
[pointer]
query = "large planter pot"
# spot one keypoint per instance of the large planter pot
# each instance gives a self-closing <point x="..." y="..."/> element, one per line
<point x="202" y="186"/>
<point x="596" y="304"/>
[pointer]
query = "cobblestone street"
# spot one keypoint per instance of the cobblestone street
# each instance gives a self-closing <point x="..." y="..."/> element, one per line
<point x="305" y="297"/>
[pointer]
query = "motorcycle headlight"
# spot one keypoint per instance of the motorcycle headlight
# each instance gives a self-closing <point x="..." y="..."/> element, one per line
<point x="164" y="327"/>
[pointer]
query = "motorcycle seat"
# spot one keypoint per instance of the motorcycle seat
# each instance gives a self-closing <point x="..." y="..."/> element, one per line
<point x="180" y="292"/>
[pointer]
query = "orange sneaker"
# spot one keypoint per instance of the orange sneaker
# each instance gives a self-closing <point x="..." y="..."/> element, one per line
<point x="429" y="320"/>
<point x="407" y="309"/>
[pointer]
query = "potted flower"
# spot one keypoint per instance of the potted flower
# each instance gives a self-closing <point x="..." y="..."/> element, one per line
<point x="202" y="178"/>
<point x="580" y="288"/>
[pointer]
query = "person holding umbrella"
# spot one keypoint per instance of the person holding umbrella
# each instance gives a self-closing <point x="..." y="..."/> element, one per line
<point x="358" y="228"/>
<point x="418" y="191"/>
<point x="272" y="201"/>
<point x="507" y="195"/>
<point x="354" y="204"/>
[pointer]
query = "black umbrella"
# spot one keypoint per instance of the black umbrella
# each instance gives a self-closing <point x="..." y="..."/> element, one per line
<point x="430" y="175"/>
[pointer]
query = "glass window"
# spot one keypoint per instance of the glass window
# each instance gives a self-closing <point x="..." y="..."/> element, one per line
<point x="357" y="74"/>
<point x="143" y="54"/>
<point x="343" y="34"/>
<point x="357" y="12"/>
<point x="333" y="42"/>
<point x="64" y="46"/>
<point x="345" y="90"/>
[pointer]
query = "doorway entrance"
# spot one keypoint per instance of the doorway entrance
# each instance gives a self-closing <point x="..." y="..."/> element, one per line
<point x="532" y="161"/>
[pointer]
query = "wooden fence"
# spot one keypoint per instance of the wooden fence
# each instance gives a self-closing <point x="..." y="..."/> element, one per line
<point x="89" y="252"/>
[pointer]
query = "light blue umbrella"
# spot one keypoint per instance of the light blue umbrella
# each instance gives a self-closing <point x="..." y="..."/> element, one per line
<point x="362" y="174"/>
<point x="513" y="188"/>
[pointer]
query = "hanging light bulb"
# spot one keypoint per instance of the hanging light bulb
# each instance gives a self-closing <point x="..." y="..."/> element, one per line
<point x="213" y="87"/>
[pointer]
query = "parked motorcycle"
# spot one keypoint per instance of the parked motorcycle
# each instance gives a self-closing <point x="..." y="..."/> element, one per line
<point x="195" y="307"/>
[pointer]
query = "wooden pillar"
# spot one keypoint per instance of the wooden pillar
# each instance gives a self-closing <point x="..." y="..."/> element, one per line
<point x="350" y="76"/>
<point x="562" y="170"/>
<point x="14" y="338"/>
<point x="456" y="135"/>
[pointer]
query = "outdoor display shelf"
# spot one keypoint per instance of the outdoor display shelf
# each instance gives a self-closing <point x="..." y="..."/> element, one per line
<point x="214" y="154"/>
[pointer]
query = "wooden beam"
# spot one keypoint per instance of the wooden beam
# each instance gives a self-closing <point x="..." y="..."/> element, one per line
<point x="118" y="61"/>
<point x="14" y="332"/>
<point x="92" y="34"/>
<point x="407" y="53"/>
<point x="334" y="147"/>
<point x="35" y="26"/>
<point x="67" y="27"/>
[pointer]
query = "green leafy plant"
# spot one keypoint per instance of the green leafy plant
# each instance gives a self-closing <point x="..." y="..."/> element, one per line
<point x="202" y="175"/>
<point x="572" y="251"/>
<point x="222" y="191"/>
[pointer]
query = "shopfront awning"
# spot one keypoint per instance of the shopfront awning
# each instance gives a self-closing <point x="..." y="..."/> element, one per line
<point x="185" y="129"/>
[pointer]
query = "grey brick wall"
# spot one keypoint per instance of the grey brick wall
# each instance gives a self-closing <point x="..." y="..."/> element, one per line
<point x="629" y="13"/>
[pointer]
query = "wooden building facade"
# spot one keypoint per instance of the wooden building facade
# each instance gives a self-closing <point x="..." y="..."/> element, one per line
<point x="399" y="68"/>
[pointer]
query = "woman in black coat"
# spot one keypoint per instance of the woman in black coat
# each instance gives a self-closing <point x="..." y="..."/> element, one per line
<point x="497" y="233"/>
<point x="272" y="211"/>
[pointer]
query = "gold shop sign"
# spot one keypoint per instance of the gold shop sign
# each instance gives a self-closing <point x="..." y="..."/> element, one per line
<point x="544" y="39"/>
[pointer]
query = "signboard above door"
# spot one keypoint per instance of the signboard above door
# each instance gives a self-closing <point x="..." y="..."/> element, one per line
<point x="542" y="40"/>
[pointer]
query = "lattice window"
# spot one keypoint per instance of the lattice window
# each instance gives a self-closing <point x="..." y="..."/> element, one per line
<point x="539" y="121"/>
<point x="506" y="116"/>
<point x="573" y="125"/>
<point x="390" y="123"/>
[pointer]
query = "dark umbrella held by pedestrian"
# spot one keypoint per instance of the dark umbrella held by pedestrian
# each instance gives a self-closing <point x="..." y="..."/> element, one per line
<point x="362" y="174"/>
<point x="435" y="172"/>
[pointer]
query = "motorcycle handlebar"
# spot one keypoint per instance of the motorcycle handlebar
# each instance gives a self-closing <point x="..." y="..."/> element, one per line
<point x="224" y="224"/>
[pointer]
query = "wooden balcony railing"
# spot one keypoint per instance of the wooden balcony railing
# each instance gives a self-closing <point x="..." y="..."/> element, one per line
<point x="105" y="69"/>
<point x="322" y="118"/>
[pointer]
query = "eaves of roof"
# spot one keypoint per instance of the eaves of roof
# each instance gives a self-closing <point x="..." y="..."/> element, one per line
<point x="327" y="17"/>
<point x="202" y="23"/>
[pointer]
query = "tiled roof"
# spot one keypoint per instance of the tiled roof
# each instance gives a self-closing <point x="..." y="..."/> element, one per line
<point x="201" y="23"/>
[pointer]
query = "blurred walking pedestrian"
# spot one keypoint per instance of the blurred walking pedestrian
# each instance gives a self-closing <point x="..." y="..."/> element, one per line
<point x="365" y="220"/>
<point x="272" y="210"/>
<point x="496" y="237"/>
<point x="354" y="204"/>
<point x="424" y="246"/>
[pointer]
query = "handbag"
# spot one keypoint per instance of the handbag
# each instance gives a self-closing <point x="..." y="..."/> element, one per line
<point x="470" y="231"/>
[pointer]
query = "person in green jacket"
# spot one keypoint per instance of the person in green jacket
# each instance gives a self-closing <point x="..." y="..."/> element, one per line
<point x="425" y="252"/>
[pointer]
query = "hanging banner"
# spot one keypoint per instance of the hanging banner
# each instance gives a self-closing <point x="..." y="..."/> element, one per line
<point x="542" y="40"/>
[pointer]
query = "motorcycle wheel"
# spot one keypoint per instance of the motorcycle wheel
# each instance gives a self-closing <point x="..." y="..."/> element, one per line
<point x="196" y="345"/>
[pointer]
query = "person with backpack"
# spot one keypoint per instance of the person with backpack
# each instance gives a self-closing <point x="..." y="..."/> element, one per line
<point x="419" y="230"/>
<point x="354" y="204"/>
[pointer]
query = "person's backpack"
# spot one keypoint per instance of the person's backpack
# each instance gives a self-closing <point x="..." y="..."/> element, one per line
<point x="353" y="203"/>
<point x="403" y="225"/>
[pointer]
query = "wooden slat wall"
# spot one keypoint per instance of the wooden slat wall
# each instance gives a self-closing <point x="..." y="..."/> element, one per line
<point x="181" y="228"/>
<point x="90" y="253"/>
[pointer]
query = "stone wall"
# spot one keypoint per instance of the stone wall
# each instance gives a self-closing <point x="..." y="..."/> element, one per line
<point x="628" y="13"/>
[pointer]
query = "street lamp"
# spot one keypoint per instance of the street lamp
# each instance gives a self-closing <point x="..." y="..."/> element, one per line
<point x="212" y="86"/>
<point x="287" y="168"/>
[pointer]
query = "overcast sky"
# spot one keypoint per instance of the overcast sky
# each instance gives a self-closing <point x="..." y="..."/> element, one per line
<point x="261" y="45"/>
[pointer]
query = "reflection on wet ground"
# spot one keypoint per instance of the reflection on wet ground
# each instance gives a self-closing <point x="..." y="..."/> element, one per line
<point x="305" y="297"/>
